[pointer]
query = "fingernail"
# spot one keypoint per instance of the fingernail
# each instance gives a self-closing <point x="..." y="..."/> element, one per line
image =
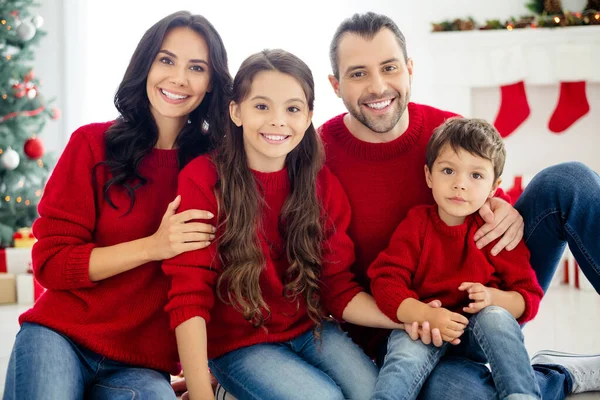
<point x="212" y="237"/>
<point x="494" y="252"/>
<point x="210" y="215"/>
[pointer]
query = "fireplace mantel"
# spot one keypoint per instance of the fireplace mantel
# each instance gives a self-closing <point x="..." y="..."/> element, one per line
<point x="467" y="60"/>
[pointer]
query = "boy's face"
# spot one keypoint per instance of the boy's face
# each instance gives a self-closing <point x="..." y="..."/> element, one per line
<point x="374" y="80"/>
<point x="461" y="183"/>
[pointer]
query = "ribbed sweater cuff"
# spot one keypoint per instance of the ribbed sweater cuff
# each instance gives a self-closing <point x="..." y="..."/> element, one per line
<point x="339" y="304"/>
<point x="77" y="268"/>
<point x="389" y="301"/>
<point x="531" y="306"/>
<point x="181" y="314"/>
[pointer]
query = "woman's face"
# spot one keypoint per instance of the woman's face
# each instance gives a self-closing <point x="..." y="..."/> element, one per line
<point x="179" y="77"/>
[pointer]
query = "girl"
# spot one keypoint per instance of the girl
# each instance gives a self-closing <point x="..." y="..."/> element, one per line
<point x="100" y="328"/>
<point x="260" y="302"/>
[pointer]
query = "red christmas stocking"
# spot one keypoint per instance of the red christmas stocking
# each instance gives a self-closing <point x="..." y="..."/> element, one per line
<point x="514" y="108"/>
<point x="572" y="105"/>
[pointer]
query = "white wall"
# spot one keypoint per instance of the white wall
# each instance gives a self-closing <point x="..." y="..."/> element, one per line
<point x="101" y="35"/>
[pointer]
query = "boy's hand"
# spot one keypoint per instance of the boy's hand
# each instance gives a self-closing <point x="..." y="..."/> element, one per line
<point x="451" y="325"/>
<point x="481" y="296"/>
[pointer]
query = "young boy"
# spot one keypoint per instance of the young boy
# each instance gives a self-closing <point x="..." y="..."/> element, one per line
<point x="432" y="255"/>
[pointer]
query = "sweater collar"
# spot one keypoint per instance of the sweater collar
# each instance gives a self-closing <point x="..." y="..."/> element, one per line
<point x="451" y="231"/>
<point x="161" y="158"/>
<point x="272" y="181"/>
<point x="378" y="151"/>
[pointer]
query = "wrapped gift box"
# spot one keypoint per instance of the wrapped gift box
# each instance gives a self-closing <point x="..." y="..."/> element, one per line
<point x="8" y="289"/>
<point x="28" y="289"/>
<point x="15" y="261"/>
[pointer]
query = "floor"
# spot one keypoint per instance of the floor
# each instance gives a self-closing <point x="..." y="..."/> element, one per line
<point x="569" y="320"/>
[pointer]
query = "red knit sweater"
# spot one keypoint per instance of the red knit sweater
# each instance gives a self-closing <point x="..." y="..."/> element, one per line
<point x="382" y="181"/>
<point x="122" y="317"/>
<point x="427" y="259"/>
<point x="194" y="274"/>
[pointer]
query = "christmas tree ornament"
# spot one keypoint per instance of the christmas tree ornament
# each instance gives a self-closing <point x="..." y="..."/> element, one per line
<point x="10" y="159"/>
<point x="514" y="108"/>
<point x="55" y="113"/>
<point x="26" y="31"/>
<point x="572" y="105"/>
<point x="37" y="21"/>
<point x="34" y="148"/>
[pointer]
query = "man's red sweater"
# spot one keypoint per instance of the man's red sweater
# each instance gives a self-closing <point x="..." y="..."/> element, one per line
<point x="382" y="181"/>
<point x="122" y="317"/>
<point x="427" y="259"/>
<point x="194" y="274"/>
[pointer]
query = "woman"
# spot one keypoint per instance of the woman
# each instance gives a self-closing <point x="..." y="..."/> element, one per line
<point x="100" y="329"/>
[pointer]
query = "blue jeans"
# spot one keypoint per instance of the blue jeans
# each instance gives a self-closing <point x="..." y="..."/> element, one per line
<point x="45" y="364"/>
<point x="560" y="206"/>
<point x="492" y="335"/>
<point x="302" y="368"/>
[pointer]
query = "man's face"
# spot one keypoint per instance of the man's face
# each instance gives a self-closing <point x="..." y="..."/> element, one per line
<point x="374" y="80"/>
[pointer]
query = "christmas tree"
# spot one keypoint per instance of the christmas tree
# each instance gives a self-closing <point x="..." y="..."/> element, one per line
<point x="24" y="166"/>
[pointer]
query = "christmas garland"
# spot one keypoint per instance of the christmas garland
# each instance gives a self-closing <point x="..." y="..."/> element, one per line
<point x="549" y="15"/>
<point x="29" y="113"/>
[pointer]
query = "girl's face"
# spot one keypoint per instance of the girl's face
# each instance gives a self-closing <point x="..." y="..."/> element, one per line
<point x="274" y="117"/>
<point x="179" y="77"/>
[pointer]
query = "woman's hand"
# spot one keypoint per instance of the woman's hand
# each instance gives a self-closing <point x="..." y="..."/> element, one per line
<point x="176" y="235"/>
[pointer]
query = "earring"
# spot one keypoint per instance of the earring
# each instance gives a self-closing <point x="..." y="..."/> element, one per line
<point x="189" y="121"/>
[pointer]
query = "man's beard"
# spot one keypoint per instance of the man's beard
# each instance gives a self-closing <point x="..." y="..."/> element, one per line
<point x="383" y="123"/>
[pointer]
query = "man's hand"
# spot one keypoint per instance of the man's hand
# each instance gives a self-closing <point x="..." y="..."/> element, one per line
<point x="481" y="296"/>
<point x="501" y="219"/>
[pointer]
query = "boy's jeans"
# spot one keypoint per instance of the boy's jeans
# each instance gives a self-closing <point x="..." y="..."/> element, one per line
<point x="492" y="335"/>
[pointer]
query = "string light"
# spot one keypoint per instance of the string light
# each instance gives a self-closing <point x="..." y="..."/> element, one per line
<point x="27" y="202"/>
<point x="8" y="27"/>
<point x="509" y="27"/>
<point x="1" y="151"/>
<point x="7" y="198"/>
<point x="21" y="183"/>
<point x="597" y="17"/>
<point x="8" y="57"/>
<point x="4" y="96"/>
<point x="556" y="19"/>
<point x="40" y="163"/>
<point x="19" y="199"/>
<point x="3" y="22"/>
<point x="38" y="193"/>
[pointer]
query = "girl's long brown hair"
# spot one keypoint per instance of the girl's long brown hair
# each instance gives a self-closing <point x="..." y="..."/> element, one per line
<point x="242" y="205"/>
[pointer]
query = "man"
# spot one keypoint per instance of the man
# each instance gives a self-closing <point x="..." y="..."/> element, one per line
<point x="377" y="150"/>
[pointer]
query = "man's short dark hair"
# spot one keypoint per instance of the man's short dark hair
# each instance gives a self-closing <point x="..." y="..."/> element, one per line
<point x="367" y="26"/>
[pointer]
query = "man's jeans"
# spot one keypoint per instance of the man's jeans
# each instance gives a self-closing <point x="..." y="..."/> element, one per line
<point x="47" y="365"/>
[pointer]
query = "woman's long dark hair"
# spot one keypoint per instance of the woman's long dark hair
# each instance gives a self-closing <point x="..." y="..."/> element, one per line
<point x="134" y="134"/>
<point x="242" y="205"/>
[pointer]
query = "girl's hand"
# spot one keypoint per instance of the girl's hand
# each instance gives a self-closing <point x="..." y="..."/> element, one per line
<point x="175" y="235"/>
<point x="481" y="296"/>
